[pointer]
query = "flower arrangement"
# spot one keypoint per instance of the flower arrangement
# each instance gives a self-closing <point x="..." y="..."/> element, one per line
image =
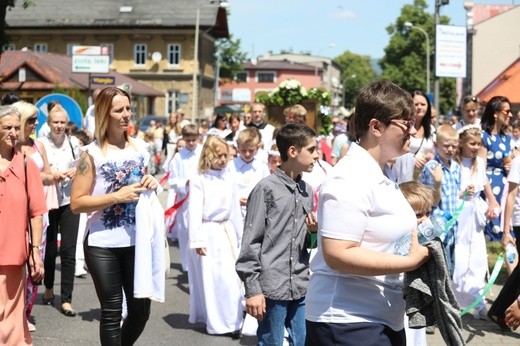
<point x="290" y="92"/>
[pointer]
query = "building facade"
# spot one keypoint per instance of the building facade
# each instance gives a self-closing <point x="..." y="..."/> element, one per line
<point x="151" y="41"/>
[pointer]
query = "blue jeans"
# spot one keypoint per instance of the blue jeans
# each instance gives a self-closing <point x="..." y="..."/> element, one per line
<point x="281" y="315"/>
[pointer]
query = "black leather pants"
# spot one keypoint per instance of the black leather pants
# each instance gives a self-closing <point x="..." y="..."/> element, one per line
<point x="112" y="270"/>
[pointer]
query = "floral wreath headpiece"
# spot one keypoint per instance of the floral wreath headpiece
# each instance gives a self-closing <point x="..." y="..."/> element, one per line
<point x="469" y="127"/>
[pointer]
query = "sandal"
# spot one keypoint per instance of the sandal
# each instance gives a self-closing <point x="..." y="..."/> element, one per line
<point x="67" y="310"/>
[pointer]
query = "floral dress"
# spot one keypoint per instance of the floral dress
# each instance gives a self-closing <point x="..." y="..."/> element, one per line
<point x="498" y="146"/>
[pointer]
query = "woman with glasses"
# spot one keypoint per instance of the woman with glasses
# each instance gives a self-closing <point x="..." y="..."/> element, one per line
<point x="62" y="152"/>
<point x="36" y="151"/>
<point x="355" y="294"/>
<point x="470" y="112"/>
<point x="496" y="152"/>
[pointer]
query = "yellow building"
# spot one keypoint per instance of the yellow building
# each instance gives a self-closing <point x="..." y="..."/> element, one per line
<point x="151" y="41"/>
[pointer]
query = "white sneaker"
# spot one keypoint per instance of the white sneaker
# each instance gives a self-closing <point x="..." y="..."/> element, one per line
<point x="480" y="314"/>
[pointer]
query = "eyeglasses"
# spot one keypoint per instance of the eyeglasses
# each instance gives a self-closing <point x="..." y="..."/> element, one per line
<point x="469" y="99"/>
<point x="408" y="124"/>
<point x="31" y="120"/>
<point x="506" y="111"/>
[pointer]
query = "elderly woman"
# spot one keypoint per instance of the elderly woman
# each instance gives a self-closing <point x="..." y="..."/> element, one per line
<point x="355" y="293"/>
<point x="36" y="151"/>
<point x="14" y="247"/>
<point x="62" y="152"/>
<point x="102" y="189"/>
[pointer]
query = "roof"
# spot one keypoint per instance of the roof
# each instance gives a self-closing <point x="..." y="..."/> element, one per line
<point x="483" y="12"/>
<point x="506" y="84"/>
<point x="278" y="65"/>
<point x="45" y="71"/>
<point x="119" y="14"/>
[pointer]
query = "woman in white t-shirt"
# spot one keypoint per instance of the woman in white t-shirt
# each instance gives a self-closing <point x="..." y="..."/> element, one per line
<point x="355" y="292"/>
<point x="102" y="188"/>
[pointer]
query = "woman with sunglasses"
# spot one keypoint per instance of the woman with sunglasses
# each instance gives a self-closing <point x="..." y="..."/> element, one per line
<point x="496" y="152"/>
<point x="36" y="151"/>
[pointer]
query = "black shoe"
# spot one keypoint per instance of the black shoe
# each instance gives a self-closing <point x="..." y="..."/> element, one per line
<point x="48" y="301"/>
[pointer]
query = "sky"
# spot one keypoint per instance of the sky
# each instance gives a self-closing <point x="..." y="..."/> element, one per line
<point x="325" y="27"/>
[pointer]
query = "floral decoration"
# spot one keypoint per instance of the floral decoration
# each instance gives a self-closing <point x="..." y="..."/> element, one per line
<point x="291" y="91"/>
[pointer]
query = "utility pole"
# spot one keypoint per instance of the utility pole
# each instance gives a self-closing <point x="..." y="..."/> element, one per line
<point x="435" y="78"/>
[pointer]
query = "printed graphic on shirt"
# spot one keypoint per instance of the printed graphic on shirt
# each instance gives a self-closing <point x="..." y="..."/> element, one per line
<point x="117" y="175"/>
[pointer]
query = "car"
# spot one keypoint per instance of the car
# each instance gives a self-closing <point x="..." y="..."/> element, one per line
<point x="144" y="123"/>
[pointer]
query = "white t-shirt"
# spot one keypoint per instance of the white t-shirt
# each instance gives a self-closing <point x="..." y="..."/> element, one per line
<point x="114" y="226"/>
<point x="514" y="177"/>
<point x="358" y="203"/>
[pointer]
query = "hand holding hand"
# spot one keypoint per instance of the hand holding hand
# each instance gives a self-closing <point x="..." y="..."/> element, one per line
<point x="255" y="306"/>
<point x="512" y="317"/>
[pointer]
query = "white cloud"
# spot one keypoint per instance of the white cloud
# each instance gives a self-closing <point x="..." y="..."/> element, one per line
<point x="343" y="14"/>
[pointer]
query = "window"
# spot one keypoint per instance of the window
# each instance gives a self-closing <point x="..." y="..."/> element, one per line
<point x="140" y="54"/>
<point x="108" y="47"/>
<point x="241" y="76"/>
<point x="171" y="101"/>
<point x="265" y="77"/>
<point x="9" y="46"/>
<point x="40" y="47"/>
<point x="174" y="54"/>
<point x="70" y="46"/>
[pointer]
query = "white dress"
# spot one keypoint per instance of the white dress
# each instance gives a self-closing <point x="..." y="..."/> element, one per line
<point x="471" y="262"/>
<point x="216" y="294"/>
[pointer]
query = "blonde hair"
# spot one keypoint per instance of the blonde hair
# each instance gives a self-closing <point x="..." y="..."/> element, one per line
<point x="249" y="136"/>
<point x="27" y="110"/>
<point x="209" y="154"/>
<point x="446" y="133"/>
<point x="465" y="134"/>
<point x="419" y="196"/>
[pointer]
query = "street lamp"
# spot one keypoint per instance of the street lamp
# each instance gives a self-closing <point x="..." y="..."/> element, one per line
<point x="468" y="6"/>
<point x="331" y="45"/>
<point x="418" y="28"/>
<point x="195" y="100"/>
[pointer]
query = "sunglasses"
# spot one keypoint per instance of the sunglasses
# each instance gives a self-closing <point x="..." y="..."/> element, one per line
<point x="407" y="123"/>
<point x="31" y="120"/>
<point x="469" y="99"/>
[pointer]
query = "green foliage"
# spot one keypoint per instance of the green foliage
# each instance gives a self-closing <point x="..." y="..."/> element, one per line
<point x="291" y="92"/>
<point x="75" y="94"/>
<point x="356" y="71"/>
<point x="231" y="57"/>
<point x="405" y="56"/>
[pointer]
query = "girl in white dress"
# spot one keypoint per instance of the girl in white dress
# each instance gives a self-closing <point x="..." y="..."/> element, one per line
<point x="215" y="232"/>
<point x="471" y="263"/>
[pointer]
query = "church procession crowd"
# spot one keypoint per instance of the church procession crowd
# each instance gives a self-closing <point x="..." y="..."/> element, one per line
<point x="296" y="238"/>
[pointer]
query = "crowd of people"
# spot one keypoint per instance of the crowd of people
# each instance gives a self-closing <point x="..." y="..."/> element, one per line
<point x="283" y="234"/>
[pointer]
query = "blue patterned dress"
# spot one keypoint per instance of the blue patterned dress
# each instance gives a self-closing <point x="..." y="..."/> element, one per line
<point x="498" y="146"/>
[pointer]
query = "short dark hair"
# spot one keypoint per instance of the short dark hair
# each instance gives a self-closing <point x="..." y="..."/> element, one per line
<point x="293" y="134"/>
<point x="383" y="101"/>
<point x="9" y="99"/>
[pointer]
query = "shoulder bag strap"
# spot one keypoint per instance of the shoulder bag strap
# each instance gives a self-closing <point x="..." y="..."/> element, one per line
<point x="29" y="226"/>
<point x="71" y="148"/>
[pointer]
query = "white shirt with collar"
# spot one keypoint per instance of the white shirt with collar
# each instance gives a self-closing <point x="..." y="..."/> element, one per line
<point x="359" y="203"/>
<point x="247" y="175"/>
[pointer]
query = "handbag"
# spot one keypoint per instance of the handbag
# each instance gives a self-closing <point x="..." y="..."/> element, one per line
<point x="29" y="227"/>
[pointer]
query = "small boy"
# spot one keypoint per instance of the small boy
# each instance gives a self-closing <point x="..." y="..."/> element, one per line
<point x="273" y="261"/>
<point x="515" y="134"/>
<point x="420" y="198"/>
<point x="446" y="200"/>
<point x="181" y="168"/>
<point x="247" y="169"/>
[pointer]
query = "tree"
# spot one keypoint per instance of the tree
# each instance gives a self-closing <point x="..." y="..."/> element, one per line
<point x="231" y="57"/>
<point x="356" y="71"/>
<point x="6" y="5"/>
<point x="405" y="56"/>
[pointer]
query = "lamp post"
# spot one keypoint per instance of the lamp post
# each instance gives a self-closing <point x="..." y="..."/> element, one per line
<point x="418" y="28"/>
<point x="331" y="45"/>
<point x="194" y="92"/>
<point x="467" y="89"/>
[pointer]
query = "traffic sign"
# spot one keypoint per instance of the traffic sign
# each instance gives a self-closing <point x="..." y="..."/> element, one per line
<point x="67" y="102"/>
<point x="103" y="80"/>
